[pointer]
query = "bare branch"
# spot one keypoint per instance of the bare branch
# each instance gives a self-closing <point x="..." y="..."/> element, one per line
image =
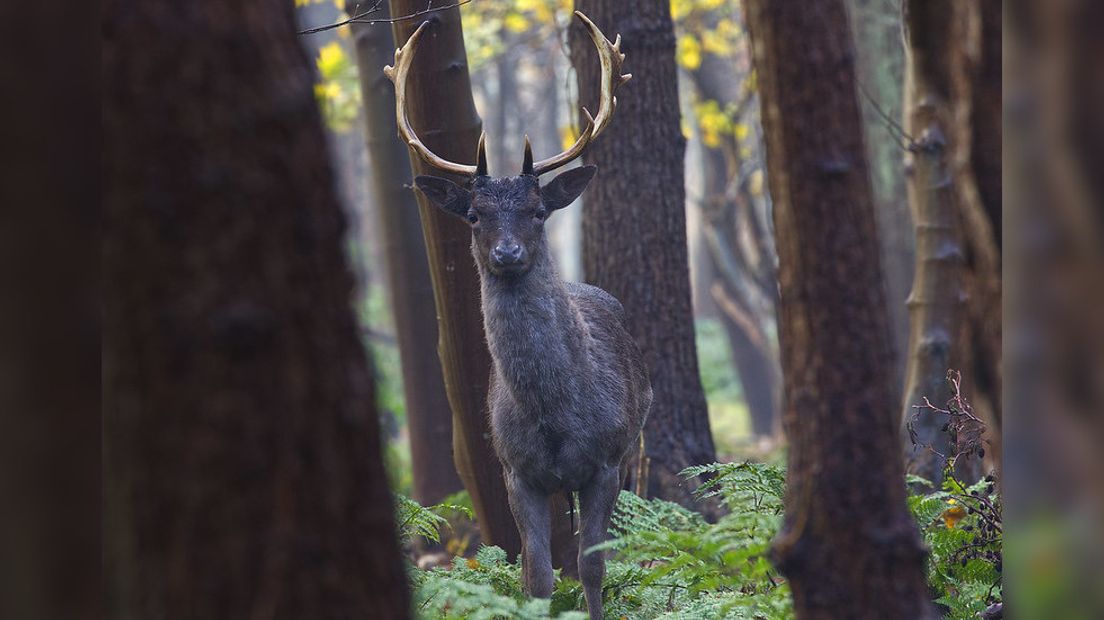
<point x="360" y="18"/>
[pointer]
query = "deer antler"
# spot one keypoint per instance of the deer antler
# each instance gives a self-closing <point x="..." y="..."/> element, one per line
<point x="610" y="57"/>
<point x="404" y="57"/>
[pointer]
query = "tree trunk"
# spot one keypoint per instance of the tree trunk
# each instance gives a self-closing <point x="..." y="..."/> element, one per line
<point x="428" y="417"/>
<point x="880" y="65"/>
<point x="634" y="229"/>
<point x="242" y="447"/>
<point x="848" y="544"/>
<point x="975" y="86"/>
<point x="936" y="303"/>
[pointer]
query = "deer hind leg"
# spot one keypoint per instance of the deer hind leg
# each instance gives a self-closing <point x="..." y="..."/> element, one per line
<point x="534" y="521"/>
<point x="596" y="502"/>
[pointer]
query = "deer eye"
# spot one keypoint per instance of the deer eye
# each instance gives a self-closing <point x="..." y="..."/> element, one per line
<point x="472" y="217"/>
<point x="540" y="215"/>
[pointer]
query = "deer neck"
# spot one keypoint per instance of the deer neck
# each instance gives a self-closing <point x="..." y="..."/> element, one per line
<point x="534" y="331"/>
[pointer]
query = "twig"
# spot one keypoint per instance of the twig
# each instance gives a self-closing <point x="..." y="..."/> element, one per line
<point x="898" y="133"/>
<point x="358" y="18"/>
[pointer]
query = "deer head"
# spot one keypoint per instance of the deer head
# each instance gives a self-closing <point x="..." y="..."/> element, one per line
<point x="507" y="214"/>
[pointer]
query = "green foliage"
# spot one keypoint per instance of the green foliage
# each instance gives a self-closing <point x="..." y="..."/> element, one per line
<point x="962" y="529"/>
<point x="718" y="375"/>
<point x="416" y="520"/>
<point x="668" y="562"/>
<point x="728" y="414"/>
<point x="485" y="587"/>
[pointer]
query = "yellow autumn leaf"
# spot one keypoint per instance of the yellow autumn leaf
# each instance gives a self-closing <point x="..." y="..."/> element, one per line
<point x="711" y="139"/>
<point x="953" y="515"/>
<point x="715" y="43"/>
<point x="473" y="563"/>
<point x="330" y="59"/>
<point x="688" y="52"/>
<point x="329" y="90"/>
<point x="568" y="136"/>
<point x="709" y="5"/>
<point x="741" y="130"/>
<point x="755" y="183"/>
<point x="516" y="23"/>
<point x="681" y="8"/>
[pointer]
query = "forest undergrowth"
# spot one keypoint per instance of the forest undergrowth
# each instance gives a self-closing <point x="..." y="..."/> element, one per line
<point x="668" y="562"/>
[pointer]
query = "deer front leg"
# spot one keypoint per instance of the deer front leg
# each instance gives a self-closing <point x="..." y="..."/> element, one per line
<point x="596" y="502"/>
<point x="534" y="521"/>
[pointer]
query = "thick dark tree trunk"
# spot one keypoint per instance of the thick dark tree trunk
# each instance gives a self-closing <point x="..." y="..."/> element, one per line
<point x="429" y="419"/>
<point x="242" y="447"/>
<point x="880" y="56"/>
<point x="840" y="414"/>
<point x="634" y="228"/>
<point x="442" y="110"/>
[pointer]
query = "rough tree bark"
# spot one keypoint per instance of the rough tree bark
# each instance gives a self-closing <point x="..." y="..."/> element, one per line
<point x="634" y="228"/>
<point x="429" y="419"/>
<point x="242" y="448"/>
<point x="840" y="415"/>
<point x="936" y="304"/>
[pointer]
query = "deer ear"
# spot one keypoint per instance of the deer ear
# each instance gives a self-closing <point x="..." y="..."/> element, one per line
<point x="447" y="195"/>
<point x="566" y="187"/>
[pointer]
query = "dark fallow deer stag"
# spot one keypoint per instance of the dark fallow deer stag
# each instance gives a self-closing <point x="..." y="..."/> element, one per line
<point x="569" y="391"/>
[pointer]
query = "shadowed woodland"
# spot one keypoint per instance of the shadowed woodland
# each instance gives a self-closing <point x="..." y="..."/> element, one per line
<point x="797" y="205"/>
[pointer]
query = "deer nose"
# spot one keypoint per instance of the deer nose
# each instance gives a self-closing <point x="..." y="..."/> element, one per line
<point x="507" y="253"/>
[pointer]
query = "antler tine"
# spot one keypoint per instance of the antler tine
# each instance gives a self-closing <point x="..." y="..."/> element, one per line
<point x="481" y="156"/>
<point x="566" y="157"/>
<point x="609" y="54"/>
<point x="404" y="57"/>
<point x="527" y="160"/>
